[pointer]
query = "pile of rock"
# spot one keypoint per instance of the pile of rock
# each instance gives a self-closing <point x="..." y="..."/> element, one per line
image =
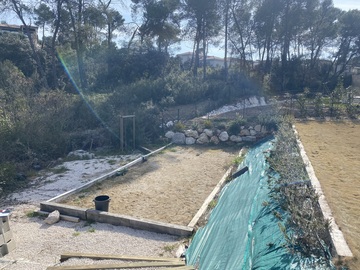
<point x="205" y="136"/>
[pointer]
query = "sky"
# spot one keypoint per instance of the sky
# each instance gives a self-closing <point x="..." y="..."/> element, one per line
<point x="186" y="46"/>
<point x="347" y="4"/>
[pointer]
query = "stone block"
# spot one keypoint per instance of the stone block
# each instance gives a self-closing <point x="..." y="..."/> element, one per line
<point x="7" y="248"/>
<point x="4" y="224"/>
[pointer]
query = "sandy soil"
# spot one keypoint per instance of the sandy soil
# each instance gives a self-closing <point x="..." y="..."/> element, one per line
<point x="333" y="149"/>
<point x="169" y="187"/>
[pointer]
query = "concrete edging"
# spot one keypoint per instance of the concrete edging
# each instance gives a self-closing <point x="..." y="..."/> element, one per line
<point x="110" y="218"/>
<point x="117" y="220"/>
<point x="337" y="237"/>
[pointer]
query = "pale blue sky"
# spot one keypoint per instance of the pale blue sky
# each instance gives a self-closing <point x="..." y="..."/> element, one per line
<point x="187" y="46"/>
<point x="347" y="4"/>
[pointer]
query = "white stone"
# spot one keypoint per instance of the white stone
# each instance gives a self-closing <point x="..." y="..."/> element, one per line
<point x="190" y="140"/>
<point x="224" y="136"/>
<point x="208" y="132"/>
<point x="178" y="138"/>
<point x="53" y="217"/>
<point x="214" y="140"/>
<point x="203" y="138"/>
<point x="253" y="132"/>
<point x="169" y="124"/>
<point x="257" y="128"/>
<point x="234" y="138"/>
<point x="169" y="134"/>
<point x="244" y="132"/>
<point x="191" y="133"/>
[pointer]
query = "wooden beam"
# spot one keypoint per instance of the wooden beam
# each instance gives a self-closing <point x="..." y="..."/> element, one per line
<point x="117" y="266"/>
<point x="67" y="256"/>
<point x="188" y="267"/>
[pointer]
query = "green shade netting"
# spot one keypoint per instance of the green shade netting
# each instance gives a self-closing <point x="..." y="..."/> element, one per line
<point x="242" y="231"/>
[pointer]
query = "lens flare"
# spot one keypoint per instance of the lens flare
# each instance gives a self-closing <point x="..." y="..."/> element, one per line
<point x="83" y="96"/>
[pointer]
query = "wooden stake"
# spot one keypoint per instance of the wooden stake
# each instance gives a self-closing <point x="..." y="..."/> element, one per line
<point x="67" y="256"/>
<point x="117" y="266"/>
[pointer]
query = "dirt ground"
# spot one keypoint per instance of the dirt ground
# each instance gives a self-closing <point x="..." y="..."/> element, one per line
<point x="168" y="187"/>
<point x="333" y="149"/>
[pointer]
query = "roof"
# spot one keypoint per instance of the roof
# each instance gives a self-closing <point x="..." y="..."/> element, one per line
<point x="13" y="27"/>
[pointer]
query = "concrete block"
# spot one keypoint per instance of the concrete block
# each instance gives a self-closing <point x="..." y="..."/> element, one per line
<point x="7" y="248"/>
<point x="139" y="224"/>
<point x="4" y="224"/>
<point x="106" y="217"/>
<point x="5" y="237"/>
<point x="67" y="210"/>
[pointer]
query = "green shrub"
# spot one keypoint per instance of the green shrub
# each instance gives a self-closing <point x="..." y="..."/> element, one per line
<point x="208" y="124"/>
<point x="235" y="126"/>
<point x="8" y="181"/>
<point x="179" y="126"/>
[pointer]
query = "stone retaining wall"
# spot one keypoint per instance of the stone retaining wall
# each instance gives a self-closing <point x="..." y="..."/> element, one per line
<point x="216" y="136"/>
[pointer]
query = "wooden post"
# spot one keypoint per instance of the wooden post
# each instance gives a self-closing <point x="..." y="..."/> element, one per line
<point x="121" y="133"/>
<point x="134" y="132"/>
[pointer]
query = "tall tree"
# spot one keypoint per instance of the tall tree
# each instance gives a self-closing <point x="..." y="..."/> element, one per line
<point x="76" y="9"/>
<point x="266" y="20"/>
<point x="161" y="21"/>
<point x="348" y="40"/>
<point x="242" y="30"/>
<point x="51" y="14"/>
<point x="203" y="16"/>
<point x="321" y="28"/>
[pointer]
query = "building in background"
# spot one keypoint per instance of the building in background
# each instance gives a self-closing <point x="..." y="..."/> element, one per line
<point x="20" y="29"/>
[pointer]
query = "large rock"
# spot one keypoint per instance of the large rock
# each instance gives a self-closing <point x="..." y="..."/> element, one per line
<point x="53" y="217"/>
<point x="234" y="138"/>
<point x="169" y="134"/>
<point x="223" y="136"/>
<point x="190" y="140"/>
<point x="208" y="132"/>
<point x="214" y="140"/>
<point x="191" y="133"/>
<point x="257" y="128"/>
<point x="244" y="132"/>
<point x="253" y="132"/>
<point x="178" y="138"/>
<point x="203" y="138"/>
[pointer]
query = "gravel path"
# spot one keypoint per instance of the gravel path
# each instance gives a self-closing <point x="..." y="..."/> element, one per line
<point x="39" y="245"/>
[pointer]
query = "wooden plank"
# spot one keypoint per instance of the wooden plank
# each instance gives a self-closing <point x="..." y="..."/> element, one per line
<point x="117" y="266"/>
<point x="188" y="267"/>
<point x="67" y="256"/>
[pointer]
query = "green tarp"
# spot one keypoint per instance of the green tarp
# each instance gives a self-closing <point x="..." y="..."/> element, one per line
<point x="242" y="231"/>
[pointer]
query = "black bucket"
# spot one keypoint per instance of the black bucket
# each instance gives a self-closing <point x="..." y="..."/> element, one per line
<point x="102" y="203"/>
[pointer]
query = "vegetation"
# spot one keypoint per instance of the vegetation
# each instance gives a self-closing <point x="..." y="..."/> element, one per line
<point x="299" y="214"/>
<point x="67" y="90"/>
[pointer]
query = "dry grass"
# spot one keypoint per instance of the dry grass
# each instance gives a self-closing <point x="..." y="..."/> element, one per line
<point x="333" y="149"/>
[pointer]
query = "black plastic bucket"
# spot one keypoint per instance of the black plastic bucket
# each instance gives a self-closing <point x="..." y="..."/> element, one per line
<point x="102" y="203"/>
